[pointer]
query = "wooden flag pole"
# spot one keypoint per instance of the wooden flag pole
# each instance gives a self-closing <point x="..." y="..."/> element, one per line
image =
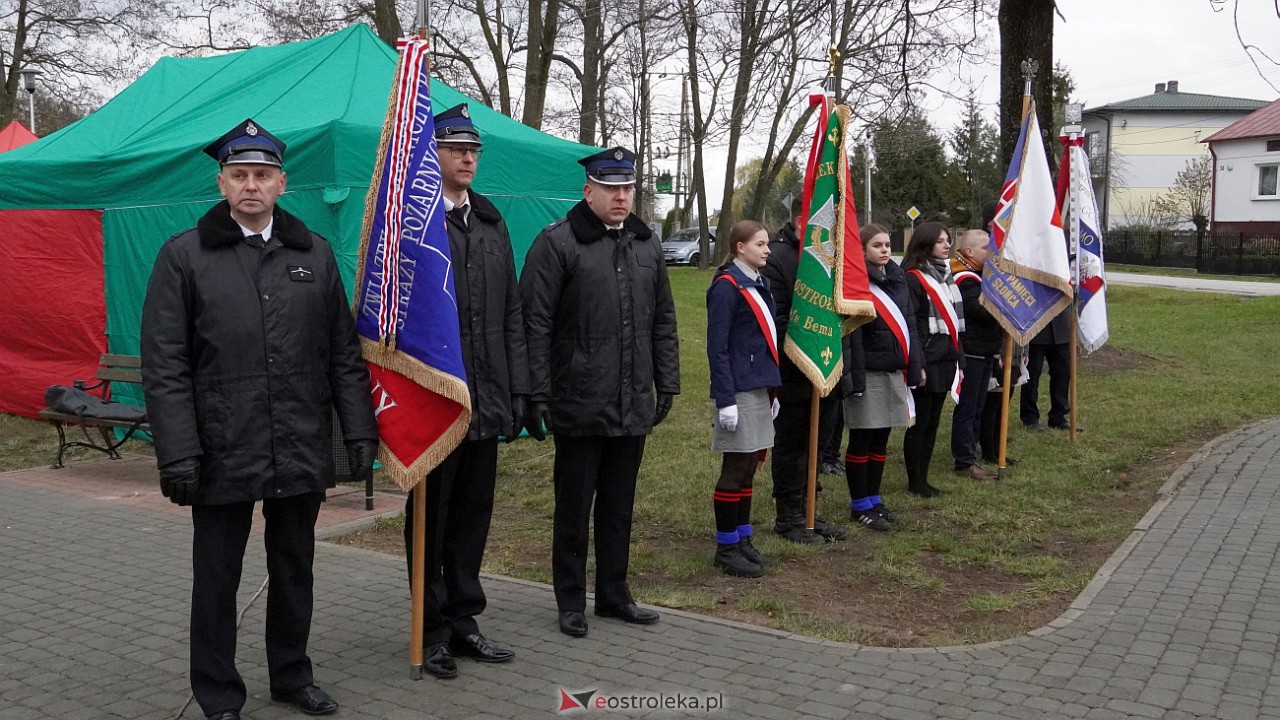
<point x="418" y="569"/>
<point x="812" y="502"/>
<point x="1005" y="390"/>
<point x="810" y="514"/>
<point x="417" y="581"/>
<point x="1029" y="68"/>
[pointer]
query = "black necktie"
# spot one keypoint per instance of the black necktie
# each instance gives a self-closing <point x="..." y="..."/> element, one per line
<point x="257" y="241"/>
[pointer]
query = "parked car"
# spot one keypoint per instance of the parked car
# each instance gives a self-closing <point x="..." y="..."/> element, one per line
<point x="682" y="248"/>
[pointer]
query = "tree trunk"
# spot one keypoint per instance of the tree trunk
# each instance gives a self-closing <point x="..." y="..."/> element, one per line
<point x="592" y="75"/>
<point x="699" y="188"/>
<point x="1026" y="33"/>
<point x="544" y="23"/>
<point x="387" y="22"/>
<point x="493" y="39"/>
<point x="748" y="47"/>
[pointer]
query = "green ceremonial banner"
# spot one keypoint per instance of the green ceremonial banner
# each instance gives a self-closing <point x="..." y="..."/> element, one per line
<point x="830" y="297"/>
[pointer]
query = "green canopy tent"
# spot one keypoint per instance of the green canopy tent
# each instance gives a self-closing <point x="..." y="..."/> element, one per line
<point x="138" y="161"/>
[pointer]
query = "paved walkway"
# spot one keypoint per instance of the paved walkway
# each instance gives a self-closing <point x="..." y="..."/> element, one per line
<point x="1183" y="622"/>
<point x="1257" y="288"/>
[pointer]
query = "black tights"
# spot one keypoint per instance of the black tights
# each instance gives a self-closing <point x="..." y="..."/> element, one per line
<point x="732" y="497"/>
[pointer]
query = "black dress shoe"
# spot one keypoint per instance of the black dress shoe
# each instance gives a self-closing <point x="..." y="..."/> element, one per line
<point x="440" y="662"/>
<point x="308" y="699"/>
<point x="573" y="623"/>
<point x="628" y="612"/>
<point x="225" y="715"/>
<point x="476" y="646"/>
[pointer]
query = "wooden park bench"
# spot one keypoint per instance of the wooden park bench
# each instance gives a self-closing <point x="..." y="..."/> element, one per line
<point x="113" y="369"/>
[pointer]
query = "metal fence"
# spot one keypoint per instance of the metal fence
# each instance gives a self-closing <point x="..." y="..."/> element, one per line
<point x="1218" y="253"/>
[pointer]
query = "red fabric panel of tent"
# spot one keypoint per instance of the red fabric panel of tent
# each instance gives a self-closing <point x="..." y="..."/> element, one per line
<point x="53" y="313"/>
<point x="15" y="135"/>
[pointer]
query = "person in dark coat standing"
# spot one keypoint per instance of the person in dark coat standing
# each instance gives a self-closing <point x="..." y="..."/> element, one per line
<point x="460" y="489"/>
<point x="1052" y="345"/>
<point x="939" y="319"/>
<point x="604" y="366"/>
<point x="983" y="341"/>
<point x="791" y="426"/>
<point x="248" y="345"/>
<point x="742" y="352"/>
<point x="883" y="363"/>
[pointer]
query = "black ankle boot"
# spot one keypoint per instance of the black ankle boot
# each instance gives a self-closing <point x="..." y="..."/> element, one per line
<point x="749" y="551"/>
<point x="791" y="523"/>
<point x="729" y="558"/>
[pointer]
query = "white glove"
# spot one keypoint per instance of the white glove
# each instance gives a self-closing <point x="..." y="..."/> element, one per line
<point x="729" y="418"/>
<point x="775" y="407"/>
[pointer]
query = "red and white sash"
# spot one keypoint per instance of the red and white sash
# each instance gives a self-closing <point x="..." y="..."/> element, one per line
<point x="947" y="312"/>
<point x="763" y="317"/>
<point x="889" y="311"/>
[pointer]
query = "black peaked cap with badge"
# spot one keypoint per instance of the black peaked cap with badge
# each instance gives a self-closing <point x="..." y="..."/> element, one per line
<point x="615" y="166"/>
<point x="454" y="126"/>
<point x="247" y="143"/>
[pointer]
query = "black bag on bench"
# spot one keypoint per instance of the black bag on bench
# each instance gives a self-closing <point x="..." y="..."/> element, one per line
<point x="84" y="404"/>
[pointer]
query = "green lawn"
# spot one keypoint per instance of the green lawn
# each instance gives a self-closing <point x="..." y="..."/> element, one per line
<point x="987" y="560"/>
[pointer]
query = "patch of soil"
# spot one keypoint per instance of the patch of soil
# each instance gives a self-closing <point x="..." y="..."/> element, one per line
<point x="1111" y="360"/>
<point x="838" y="594"/>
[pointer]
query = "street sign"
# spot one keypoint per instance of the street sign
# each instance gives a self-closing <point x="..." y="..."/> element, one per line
<point x="913" y="213"/>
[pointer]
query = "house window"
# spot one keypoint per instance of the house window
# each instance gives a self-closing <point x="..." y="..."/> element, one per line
<point x="1267" y="176"/>
<point x="1273" y="146"/>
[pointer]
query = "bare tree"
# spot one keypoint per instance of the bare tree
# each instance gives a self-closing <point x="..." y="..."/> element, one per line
<point x="1188" y="198"/>
<point x="76" y="46"/>
<point x="1026" y="33"/>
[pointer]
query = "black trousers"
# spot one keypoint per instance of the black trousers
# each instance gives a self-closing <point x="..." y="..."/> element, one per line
<point x="989" y="434"/>
<point x="459" y="511"/>
<point x="221" y="533"/>
<point x="966" y="420"/>
<point x="919" y="439"/>
<point x="790" y="464"/>
<point x="1059" y="359"/>
<point x="602" y="469"/>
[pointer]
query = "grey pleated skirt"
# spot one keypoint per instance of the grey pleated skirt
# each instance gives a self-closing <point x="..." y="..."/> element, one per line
<point x="885" y="403"/>
<point x="755" y="425"/>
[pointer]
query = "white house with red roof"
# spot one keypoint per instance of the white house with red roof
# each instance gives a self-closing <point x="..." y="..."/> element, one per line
<point x="1138" y="146"/>
<point x="1246" y="173"/>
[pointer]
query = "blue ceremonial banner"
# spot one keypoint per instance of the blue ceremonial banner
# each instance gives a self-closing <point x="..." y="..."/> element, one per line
<point x="406" y="310"/>
<point x="1027" y="278"/>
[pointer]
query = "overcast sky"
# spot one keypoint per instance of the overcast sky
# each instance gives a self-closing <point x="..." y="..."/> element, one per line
<point x="1119" y="49"/>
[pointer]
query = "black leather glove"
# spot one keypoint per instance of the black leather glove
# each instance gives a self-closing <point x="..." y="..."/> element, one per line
<point x="538" y="418"/>
<point x="180" y="480"/>
<point x="663" y="407"/>
<point x="519" y="409"/>
<point x="362" y="454"/>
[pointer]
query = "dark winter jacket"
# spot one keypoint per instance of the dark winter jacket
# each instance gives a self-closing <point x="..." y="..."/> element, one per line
<point x="982" y="334"/>
<point x="780" y="271"/>
<point x="245" y="352"/>
<point x="489" y="316"/>
<point x="1057" y="332"/>
<point x="600" y="325"/>
<point x="873" y="347"/>
<point x="939" y="352"/>
<point x="737" y="350"/>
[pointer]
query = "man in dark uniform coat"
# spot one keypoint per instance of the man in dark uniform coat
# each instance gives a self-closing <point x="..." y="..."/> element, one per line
<point x="604" y="365"/>
<point x="1052" y="345"/>
<point x="460" y="490"/>
<point x="791" y="426"/>
<point x="248" y="344"/>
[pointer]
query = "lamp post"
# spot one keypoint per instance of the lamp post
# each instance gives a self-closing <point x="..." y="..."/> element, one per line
<point x="29" y="75"/>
